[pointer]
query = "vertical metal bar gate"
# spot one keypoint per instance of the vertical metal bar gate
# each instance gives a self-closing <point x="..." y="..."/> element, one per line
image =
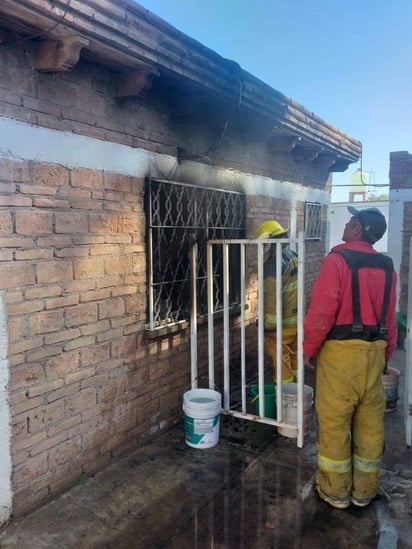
<point x="227" y="409"/>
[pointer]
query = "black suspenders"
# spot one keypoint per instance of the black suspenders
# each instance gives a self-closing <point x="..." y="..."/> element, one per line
<point x="357" y="260"/>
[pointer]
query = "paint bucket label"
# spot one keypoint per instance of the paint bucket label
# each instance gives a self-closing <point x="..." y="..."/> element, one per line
<point x="201" y="409"/>
<point x="201" y="432"/>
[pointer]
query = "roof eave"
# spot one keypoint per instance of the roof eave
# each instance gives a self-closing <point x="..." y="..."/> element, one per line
<point x="128" y="38"/>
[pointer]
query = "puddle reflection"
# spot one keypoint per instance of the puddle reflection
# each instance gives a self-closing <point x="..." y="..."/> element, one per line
<point x="262" y="509"/>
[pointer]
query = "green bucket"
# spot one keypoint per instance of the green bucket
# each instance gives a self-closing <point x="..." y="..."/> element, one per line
<point x="270" y="400"/>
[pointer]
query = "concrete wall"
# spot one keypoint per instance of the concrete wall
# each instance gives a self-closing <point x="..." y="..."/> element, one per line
<point x="400" y="228"/>
<point x="82" y="383"/>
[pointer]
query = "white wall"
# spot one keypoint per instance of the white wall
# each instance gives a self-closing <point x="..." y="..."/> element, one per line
<point x="338" y="216"/>
<point x="5" y="458"/>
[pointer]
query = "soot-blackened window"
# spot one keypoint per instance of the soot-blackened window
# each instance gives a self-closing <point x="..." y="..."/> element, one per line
<point x="177" y="214"/>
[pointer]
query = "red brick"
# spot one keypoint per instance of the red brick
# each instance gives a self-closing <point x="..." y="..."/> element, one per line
<point x="36" y="253"/>
<point x="40" y="418"/>
<point x="63" y="335"/>
<point x="78" y="343"/>
<point x="16" y="275"/>
<point x="54" y="271"/>
<point x="37" y="189"/>
<point x="19" y="328"/>
<point x="96" y="295"/>
<point x="54" y="241"/>
<point x="64" y="453"/>
<point x="15" y="171"/>
<point x="96" y="354"/>
<point x="104" y="224"/>
<point x="31" y="469"/>
<point x="48" y="321"/>
<point x="111" y="307"/>
<point x="81" y="314"/>
<point x="85" y="178"/>
<point x="95" y="327"/>
<point x="25" y="345"/>
<point x="133" y="224"/>
<point x="104" y="249"/>
<point x="50" y="203"/>
<point x="124" y="347"/>
<point x="117" y="182"/>
<point x="44" y="352"/>
<point x="41" y="292"/>
<point x="6" y="223"/>
<point x="71" y="222"/>
<point x="118" y="265"/>
<point x="88" y="268"/>
<point x="84" y="400"/>
<point x="33" y="222"/>
<point x="62" y="301"/>
<point x="16" y="242"/>
<point x="26" y="375"/>
<point x="50" y="175"/>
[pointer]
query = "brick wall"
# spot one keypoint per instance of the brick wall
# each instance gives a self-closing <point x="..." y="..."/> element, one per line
<point x="85" y="383"/>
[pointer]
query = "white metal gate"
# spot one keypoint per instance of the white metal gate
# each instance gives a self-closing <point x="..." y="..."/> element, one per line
<point x="259" y="244"/>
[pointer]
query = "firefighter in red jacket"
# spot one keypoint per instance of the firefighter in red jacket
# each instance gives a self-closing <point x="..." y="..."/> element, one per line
<point x="351" y="329"/>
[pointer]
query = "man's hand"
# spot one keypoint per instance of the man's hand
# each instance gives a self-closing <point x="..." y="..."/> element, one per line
<point x="308" y="361"/>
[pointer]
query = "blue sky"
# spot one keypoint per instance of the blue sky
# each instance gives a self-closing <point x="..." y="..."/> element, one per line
<point x="348" y="61"/>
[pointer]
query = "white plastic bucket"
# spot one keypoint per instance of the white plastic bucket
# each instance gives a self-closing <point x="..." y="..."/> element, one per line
<point x="202" y="417"/>
<point x="390" y="382"/>
<point x="290" y="409"/>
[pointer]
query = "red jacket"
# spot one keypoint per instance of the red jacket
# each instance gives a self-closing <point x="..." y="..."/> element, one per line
<point x="331" y="302"/>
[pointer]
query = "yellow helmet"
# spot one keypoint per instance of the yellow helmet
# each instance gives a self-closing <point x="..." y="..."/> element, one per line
<point x="270" y="229"/>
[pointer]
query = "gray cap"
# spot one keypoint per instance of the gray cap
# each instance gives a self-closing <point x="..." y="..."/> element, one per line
<point x="373" y="222"/>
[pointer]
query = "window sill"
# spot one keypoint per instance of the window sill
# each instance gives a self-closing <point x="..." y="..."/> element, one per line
<point x="163" y="331"/>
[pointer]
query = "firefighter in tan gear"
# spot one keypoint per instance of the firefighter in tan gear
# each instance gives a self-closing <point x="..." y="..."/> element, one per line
<point x="273" y="229"/>
<point x="351" y="329"/>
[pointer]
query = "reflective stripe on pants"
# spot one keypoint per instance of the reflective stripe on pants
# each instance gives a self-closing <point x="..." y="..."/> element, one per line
<point x="350" y="404"/>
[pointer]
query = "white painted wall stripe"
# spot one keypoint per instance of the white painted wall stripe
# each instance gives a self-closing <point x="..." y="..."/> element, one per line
<point x="22" y="141"/>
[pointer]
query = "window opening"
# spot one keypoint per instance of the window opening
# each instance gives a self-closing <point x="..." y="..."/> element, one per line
<point x="176" y="212"/>
<point x="313" y="221"/>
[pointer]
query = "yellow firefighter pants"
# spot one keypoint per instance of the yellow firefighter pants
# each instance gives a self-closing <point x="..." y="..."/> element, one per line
<point x="289" y="356"/>
<point x="350" y="404"/>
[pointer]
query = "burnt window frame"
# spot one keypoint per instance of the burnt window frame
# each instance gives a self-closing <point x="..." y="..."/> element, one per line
<point x="177" y="214"/>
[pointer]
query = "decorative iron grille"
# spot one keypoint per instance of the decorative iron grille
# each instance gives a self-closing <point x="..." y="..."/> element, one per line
<point x="177" y="213"/>
<point x="313" y="221"/>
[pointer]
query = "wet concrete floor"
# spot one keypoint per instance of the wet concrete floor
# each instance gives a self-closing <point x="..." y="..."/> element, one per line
<point x="252" y="490"/>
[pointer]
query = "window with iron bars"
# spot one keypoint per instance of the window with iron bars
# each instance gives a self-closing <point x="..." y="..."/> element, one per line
<point x="178" y="213"/>
<point x="313" y="221"/>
